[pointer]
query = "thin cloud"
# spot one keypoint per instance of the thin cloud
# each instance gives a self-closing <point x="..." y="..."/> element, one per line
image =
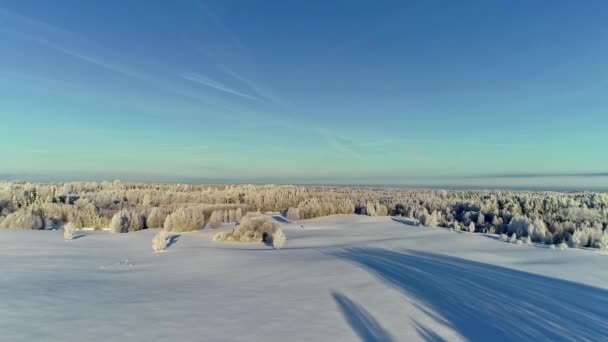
<point x="333" y="141"/>
<point x="206" y="81"/>
<point x="241" y="50"/>
<point x="53" y="37"/>
<point x="384" y="142"/>
<point x="260" y="89"/>
<point x="60" y="35"/>
<point x="10" y="15"/>
<point x="90" y="58"/>
<point x="543" y="175"/>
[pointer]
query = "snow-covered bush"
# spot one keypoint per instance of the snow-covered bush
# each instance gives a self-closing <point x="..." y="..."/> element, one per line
<point x="563" y="246"/>
<point x="513" y="238"/>
<point x="68" y="230"/>
<point x="221" y="236"/>
<point x="504" y="237"/>
<point x="253" y="228"/>
<point x="160" y="241"/>
<point x="185" y="220"/>
<point x="23" y="220"/>
<point x="215" y="221"/>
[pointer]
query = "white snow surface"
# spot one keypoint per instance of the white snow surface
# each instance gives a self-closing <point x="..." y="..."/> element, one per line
<point x="339" y="278"/>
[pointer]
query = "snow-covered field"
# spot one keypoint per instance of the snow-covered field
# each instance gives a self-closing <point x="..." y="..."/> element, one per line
<point x="338" y="278"/>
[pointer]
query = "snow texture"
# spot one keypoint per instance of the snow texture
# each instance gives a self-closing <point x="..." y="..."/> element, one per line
<point x="339" y="278"/>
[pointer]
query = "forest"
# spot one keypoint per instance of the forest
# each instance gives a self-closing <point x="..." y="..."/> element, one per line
<point x="574" y="219"/>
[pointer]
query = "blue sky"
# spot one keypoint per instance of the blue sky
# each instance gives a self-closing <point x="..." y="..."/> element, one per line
<point x="377" y="92"/>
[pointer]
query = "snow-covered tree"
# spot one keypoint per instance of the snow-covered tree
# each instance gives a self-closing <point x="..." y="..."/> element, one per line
<point x="471" y="227"/>
<point x="293" y="214"/>
<point x="156" y="218"/>
<point x="120" y="222"/>
<point x="22" y="219"/>
<point x="278" y="238"/>
<point x="160" y="241"/>
<point x="68" y="231"/>
<point x="215" y="221"/>
<point x="185" y="219"/>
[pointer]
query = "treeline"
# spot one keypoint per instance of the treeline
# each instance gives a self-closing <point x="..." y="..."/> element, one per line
<point x="578" y="219"/>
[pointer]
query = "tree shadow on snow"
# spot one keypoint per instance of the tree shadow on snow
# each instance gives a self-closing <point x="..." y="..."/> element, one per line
<point x="280" y="219"/>
<point x="360" y="320"/>
<point x="485" y="302"/>
<point x="172" y="240"/>
<point x="428" y="334"/>
<point x="497" y="238"/>
<point x="405" y="221"/>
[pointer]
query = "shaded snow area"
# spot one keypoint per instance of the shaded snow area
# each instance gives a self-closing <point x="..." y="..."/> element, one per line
<point x="340" y="278"/>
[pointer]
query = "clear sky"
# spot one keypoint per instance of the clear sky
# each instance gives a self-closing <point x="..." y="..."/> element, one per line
<point x="304" y="91"/>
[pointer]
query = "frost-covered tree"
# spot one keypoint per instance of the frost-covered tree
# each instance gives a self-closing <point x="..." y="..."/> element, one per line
<point x="160" y="241"/>
<point x="428" y="220"/>
<point x="69" y="229"/>
<point x="604" y="241"/>
<point x="497" y="221"/>
<point x="549" y="239"/>
<point x="471" y="227"/>
<point x="137" y="220"/>
<point x="185" y="220"/>
<point x="156" y="218"/>
<point x="120" y="222"/>
<point x="371" y="209"/>
<point x="278" y="238"/>
<point x="480" y="219"/>
<point x="542" y="216"/>
<point x="23" y="220"/>
<point x="126" y="221"/>
<point x="293" y="214"/>
<point x="215" y="221"/>
<point x="381" y="210"/>
<point x="253" y="228"/>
